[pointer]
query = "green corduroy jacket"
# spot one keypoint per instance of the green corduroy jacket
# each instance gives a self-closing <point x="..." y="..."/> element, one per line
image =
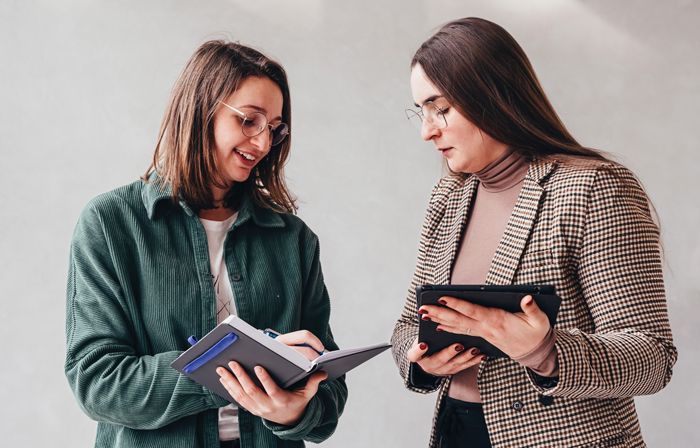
<point x="139" y="284"/>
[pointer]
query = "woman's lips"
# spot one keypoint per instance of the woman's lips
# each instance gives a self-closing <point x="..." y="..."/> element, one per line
<point x="245" y="162"/>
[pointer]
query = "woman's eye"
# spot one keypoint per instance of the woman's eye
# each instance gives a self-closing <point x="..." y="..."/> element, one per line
<point x="443" y="111"/>
<point x="250" y="124"/>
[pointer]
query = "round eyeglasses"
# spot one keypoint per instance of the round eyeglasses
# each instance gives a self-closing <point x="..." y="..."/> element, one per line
<point x="254" y="123"/>
<point x="430" y="112"/>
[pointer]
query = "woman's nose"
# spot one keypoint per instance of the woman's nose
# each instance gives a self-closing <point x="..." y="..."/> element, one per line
<point x="262" y="141"/>
<point x="428" y="130"/>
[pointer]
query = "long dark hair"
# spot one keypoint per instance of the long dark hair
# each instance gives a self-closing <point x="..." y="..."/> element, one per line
<point x="483" y="72"/>
<point x="184" y="155"/>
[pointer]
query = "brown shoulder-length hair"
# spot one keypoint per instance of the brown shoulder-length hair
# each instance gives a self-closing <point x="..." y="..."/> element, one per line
<point x="184" y="155"/>
<point x="483" y="72"/>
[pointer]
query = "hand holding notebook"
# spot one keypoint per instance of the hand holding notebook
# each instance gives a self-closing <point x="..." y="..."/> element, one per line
<point x="235" y="339"/>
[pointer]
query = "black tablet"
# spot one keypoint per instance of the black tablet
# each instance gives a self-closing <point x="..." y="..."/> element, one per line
<point x="506" y="297"/>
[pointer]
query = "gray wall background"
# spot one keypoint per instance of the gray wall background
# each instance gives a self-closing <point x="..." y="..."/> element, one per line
<point x="84" y="84"/>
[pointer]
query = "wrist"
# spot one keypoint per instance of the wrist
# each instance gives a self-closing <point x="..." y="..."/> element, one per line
<point x="289" y="420"/>
<point x="537" y="353"/>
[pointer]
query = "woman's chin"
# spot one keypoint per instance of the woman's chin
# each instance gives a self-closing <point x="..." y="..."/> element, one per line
<point x="238" y="176"/>
<point x="456" y="167"/>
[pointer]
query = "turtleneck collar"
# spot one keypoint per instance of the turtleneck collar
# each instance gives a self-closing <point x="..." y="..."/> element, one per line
<point x="503" y="173"/>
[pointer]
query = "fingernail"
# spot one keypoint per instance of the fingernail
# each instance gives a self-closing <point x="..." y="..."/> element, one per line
<point x="422" y="346"/>
<point x="483" y="358"/>
<point x="424" y="317"/>
<point x="459" y="347"/>
<point x="442" y="301"/>
<point x="528" y="300"/>
<point x="422" y="311"/>
<point x="258" y="369"/>
<point x="438" y="329"/>
<point x="475" y="351"/>
<point x="220" y="371"/>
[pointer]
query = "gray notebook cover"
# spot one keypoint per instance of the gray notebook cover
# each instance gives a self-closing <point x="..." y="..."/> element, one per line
<point x="234" y="339"/>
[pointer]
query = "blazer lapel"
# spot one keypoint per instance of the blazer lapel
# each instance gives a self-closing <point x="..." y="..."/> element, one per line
<point x="454" y="219"/>
<point x="512" y="244"/>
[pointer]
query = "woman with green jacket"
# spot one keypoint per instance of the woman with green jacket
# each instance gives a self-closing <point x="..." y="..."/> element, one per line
<point x="208" y="231"/>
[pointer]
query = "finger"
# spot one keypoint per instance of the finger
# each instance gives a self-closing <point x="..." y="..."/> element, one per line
<point x="529" y="306"/>
<point x="464" y="307"/>
<point x="249" y="387"/>
<point x="461" y="362"/>
<point x="307" y="352"/>
<point x="232" y="386"/>
<point x="270" y="386"/>
<point x="417" y="351"/>
<point x="440" y="315"/>
<point x="469" y="327"/>
<point x="438" y="360"/>
<point x="467" y="362"/>
<point x="313" y="383"/>
<point x="302" y="337"/>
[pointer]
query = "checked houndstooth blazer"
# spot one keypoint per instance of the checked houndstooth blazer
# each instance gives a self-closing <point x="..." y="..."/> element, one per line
<point x="585" y="227"/>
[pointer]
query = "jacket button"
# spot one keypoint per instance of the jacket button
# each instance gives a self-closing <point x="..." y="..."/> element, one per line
<point x="236" y="277"/>
<point x="517" y="405"/>
<point x="546" y="400"/>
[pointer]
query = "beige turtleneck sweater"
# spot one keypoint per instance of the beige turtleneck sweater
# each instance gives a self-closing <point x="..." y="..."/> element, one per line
<point x="500" y="183"/>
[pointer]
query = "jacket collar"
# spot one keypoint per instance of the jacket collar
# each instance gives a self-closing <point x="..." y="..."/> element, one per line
<point x="517" y="232"/>
<point x="155" y="192"/>
<point x="510" y="249"/>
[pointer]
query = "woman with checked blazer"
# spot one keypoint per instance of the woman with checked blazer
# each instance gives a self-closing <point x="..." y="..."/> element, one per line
<point x="525" y="203"/>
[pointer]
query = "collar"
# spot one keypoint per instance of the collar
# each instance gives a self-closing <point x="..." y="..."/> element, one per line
<point x="155" y="191"/>
<point x="538" y="171"/>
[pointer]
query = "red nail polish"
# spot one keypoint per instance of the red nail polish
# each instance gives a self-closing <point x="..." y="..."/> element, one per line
<point x="424" y="317"/>
<point x="422" y="311"/>
<point x="459" y="348"/>
<point x="438" y="329"/>
<point x="422" y="346"/>
<point x="475" y="351"/>
<point x="442" y="301"/>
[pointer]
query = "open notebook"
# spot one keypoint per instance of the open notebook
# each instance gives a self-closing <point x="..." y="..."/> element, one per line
<point x="235" y="339"/>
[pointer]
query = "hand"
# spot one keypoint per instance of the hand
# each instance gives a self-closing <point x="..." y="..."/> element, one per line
<point x="516" y="334"/>
<point x="295" y="340"/>
<point x="273" y="403"/>
<point x="447" y="361"/>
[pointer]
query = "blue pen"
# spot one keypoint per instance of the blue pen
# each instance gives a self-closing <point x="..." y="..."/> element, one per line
<point x="273" y="334"/>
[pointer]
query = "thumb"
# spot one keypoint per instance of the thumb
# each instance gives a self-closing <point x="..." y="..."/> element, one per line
<point x="529" y="306"/>
<point x="312" y="384"/>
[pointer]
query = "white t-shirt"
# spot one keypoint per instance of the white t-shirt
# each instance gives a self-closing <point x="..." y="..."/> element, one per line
<point x="216" y="235"/>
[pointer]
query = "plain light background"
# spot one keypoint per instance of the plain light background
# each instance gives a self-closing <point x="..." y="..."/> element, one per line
<point x="84" y="85"/>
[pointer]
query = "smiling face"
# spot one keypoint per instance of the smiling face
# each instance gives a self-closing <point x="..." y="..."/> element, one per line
<point x="236" y="154"/>
<point x="465" y="147"/>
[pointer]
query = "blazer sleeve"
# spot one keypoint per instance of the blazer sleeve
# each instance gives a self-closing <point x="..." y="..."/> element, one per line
<point x="110" y="380"/>
<point x="324" y="410"/>
<point x="406" y="327"/>
<point x="619" y="268"/>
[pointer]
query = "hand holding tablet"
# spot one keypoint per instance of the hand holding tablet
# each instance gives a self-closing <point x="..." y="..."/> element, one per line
<point x="461" y="314"/>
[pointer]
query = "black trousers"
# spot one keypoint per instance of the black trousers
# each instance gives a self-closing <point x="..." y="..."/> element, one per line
<point x="236" y="443"/>
<point x="461" y="424"/>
